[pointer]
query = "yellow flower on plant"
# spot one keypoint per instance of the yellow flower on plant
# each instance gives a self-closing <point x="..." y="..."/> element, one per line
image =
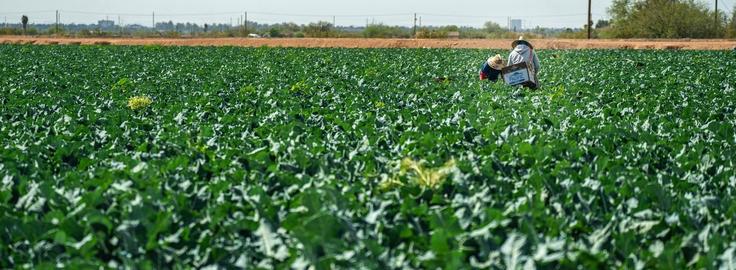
<point x="390" y="182"/>
<point x="428" y="177"/>
<point x="139" y="102"/>
<point x="431" y="178"/>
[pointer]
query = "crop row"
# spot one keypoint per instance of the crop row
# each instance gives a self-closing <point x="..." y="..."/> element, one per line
<point x="152" y="157"/>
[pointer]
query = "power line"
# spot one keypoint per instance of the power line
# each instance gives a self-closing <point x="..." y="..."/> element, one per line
<point x="302" y="14"/>
<point x="457" y="15"/>
<point x="234" y="13"/>
<point x="148" y="14"/>
<point x="504" y="17"/>
<point x="27" y="12"/>
<point x="105" y="13"/>
<point x="199" y="14"/>
<point x="331" y="15"/>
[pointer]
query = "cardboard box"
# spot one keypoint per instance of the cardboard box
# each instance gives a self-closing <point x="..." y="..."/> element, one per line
<point x="520" y="74"/>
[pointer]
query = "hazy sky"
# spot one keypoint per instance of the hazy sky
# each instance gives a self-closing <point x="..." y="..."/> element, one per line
<point x="546" y="13"/>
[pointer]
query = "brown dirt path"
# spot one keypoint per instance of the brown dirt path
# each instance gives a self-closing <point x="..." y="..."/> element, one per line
<point x="718" y="44"/>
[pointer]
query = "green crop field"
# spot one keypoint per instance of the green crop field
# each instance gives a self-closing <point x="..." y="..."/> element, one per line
<point x="192" y="157"/>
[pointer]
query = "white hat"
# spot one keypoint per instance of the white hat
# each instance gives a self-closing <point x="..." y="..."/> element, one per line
<point x="521" y="41"/>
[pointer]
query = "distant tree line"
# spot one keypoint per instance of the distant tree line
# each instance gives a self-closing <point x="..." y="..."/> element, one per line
<point x="628" y="19"/>
<point x="320" y="29"/>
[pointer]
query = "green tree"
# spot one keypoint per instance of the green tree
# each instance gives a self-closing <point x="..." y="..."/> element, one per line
<point x="274" y="32"/>
<point x="383" y="31"/>
<point x="494" y="30"/>
<point x="24" y="21"/>
<point x="662" y="19"/>
<point x="602" y="24"/>
<point x="731" y="29"/>
<point x="493" y="27"/>
<point x="319" y="29"/>
<point x="450" y="28"/>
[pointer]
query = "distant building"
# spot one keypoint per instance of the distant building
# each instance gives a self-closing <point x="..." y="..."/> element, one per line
<point x="453" y="35"/>
<point x="135" y="27"/>
<point x="515" y="25"/>
<point x="106" y="23"/>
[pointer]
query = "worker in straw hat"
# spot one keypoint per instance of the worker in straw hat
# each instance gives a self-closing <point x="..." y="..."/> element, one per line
<point x="523" y="51"/>
<point x="491" y="69"/>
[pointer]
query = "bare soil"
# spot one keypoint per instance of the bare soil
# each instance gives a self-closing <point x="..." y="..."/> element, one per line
<point x="685" y="44"/>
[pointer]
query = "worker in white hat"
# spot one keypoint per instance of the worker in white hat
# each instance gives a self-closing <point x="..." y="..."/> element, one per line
<point x="491" y="68"/>
<point x="523" y="51"/>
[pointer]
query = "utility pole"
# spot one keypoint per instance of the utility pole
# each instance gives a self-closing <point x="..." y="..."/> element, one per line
<point x="245" y="23"/>
<point x="333" y="22"/>
<point x="57" y="21"/>
<point x="420" y="21"/>
<point x="153" y="20"/>
<point x="120" y="26"/>
<point x="718" y="24"/>
<point x="415" y="25"/>
<point x="590" y="19"/>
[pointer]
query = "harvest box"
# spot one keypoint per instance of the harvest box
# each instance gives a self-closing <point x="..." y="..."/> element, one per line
<point x="519" y="74"/>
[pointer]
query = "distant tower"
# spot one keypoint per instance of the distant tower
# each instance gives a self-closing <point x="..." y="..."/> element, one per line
<point x="515" y="25"/>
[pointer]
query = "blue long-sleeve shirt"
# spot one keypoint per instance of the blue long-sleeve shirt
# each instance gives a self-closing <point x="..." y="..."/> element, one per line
<point x="488" y="73"/>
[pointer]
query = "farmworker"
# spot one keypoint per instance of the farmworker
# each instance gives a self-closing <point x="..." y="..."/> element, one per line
<point x="491" y="69"/>
<point x="523" y="51"/>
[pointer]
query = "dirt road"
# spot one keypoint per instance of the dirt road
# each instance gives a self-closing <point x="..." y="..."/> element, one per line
<point x="386" y="43"/>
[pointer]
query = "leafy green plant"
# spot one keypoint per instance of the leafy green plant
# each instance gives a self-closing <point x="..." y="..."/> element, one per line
<point x="123" y="85"/>
<point x="269" y="158"/>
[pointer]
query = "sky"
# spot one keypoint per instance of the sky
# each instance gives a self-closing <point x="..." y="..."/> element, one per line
<point x="544" y="13"/>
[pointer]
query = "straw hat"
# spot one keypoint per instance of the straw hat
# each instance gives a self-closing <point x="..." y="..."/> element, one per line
<point x="496" y="62"/>
<point x="521" y="41"/>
